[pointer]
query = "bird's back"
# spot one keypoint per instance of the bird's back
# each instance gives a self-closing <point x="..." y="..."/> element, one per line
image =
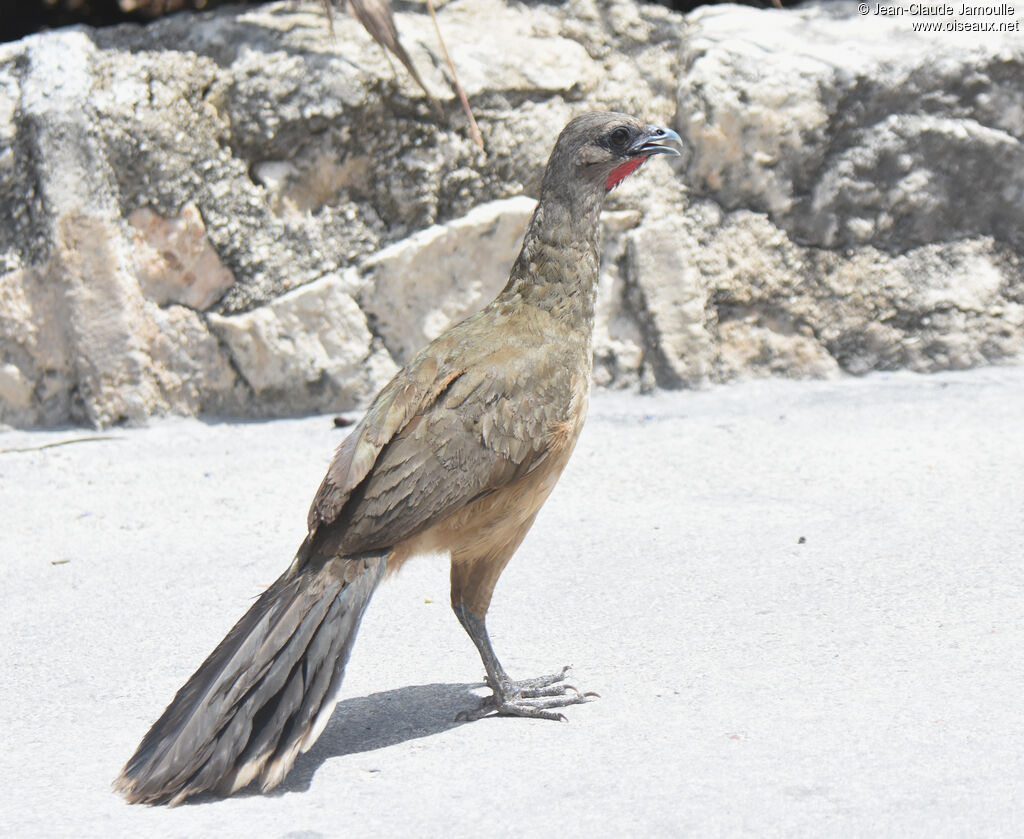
<point x="506" y="387"/>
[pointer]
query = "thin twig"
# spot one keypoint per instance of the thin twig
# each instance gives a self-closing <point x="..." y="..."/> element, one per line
<point x="326" y="4"/>
<point x="474" y="130"/>
<point x="59" y="443"/>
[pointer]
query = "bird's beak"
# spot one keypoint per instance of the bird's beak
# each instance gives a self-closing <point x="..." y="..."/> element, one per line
<point x="656" y="140"/>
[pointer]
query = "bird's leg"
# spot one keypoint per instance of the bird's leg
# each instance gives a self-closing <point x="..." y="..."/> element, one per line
<point x="526" y="698"/>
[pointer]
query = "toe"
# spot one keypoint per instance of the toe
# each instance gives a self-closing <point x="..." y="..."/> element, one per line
<point x="530" y="698"/>
<point x="542" y="681"/>
<point x="549" y="690"/>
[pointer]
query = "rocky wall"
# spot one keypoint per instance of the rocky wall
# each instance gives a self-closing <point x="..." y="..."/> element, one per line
<point x="233" y="212"/>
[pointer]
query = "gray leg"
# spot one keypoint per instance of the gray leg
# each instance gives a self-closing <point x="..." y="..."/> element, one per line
<point x="526" y="698"/>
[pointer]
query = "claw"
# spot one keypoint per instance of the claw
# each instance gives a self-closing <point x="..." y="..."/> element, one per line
<point x="529" y="698"/>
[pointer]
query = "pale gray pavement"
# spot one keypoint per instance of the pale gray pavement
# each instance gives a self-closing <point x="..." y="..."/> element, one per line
<point x="801" y="604"/>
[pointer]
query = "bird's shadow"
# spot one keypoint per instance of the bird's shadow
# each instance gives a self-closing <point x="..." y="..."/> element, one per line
<point x="367" y="723"/>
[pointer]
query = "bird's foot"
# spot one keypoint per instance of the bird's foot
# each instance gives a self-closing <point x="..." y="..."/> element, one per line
<point x="530" y="698"/>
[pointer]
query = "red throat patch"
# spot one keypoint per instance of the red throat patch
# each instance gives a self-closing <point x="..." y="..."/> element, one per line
<point x="620" y="172"/>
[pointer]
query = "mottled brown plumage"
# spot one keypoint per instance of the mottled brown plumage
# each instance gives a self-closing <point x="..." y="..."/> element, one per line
<point x="456" y="454"/>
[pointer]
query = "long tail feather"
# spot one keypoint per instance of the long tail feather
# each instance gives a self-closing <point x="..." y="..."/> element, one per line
<point x="263" y="695"/>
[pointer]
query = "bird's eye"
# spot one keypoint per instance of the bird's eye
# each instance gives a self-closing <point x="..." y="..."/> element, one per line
<point x="618" y="138"/>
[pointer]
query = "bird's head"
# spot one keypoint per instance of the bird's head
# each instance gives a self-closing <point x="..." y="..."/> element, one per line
<point x="595" y="152"/>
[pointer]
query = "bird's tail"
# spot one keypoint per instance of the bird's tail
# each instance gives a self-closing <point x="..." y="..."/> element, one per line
<point x="264" y="694"/>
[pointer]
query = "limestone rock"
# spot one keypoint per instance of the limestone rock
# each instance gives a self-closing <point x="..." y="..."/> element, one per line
<point x="234" y="212"/>
<point x="175" y="262"/>
<point x="417" y="288"/>
<point x="308" y="350"/>
<point x="85" y="343"/>
<point x="677" y="342"/>
<point x="15" y="390"/>
<point x="619" y="346"/>
<point x="861" y="184"/>
<point x="535" y="57"/>
<point x="36" y="350"/>
<point x="852" y="129"/>
<point x="190" y="367"/>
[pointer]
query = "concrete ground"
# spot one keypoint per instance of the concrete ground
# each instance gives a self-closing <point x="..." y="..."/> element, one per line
<point x="802" y="605"/>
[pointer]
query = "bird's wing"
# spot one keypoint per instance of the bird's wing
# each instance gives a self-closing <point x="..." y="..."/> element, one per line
<point x="437" y="438"/>
<point x="411" y="392"/>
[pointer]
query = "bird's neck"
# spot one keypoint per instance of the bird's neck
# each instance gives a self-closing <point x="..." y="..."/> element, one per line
<point x="557" y="268"/>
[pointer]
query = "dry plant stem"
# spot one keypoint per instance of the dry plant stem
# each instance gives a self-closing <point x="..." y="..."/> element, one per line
<point x="474" y="129"/>
<point x="330" y="17"/>
<point x="378" y="20"/>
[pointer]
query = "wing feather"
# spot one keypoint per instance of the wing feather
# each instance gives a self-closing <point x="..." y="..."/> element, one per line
<point x="438" y="437"/>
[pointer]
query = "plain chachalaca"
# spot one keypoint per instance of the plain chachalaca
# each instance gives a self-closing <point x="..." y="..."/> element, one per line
<point x="456" y="454"/>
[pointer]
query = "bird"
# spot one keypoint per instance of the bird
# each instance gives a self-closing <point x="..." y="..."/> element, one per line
<point x="456" y="454"/>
